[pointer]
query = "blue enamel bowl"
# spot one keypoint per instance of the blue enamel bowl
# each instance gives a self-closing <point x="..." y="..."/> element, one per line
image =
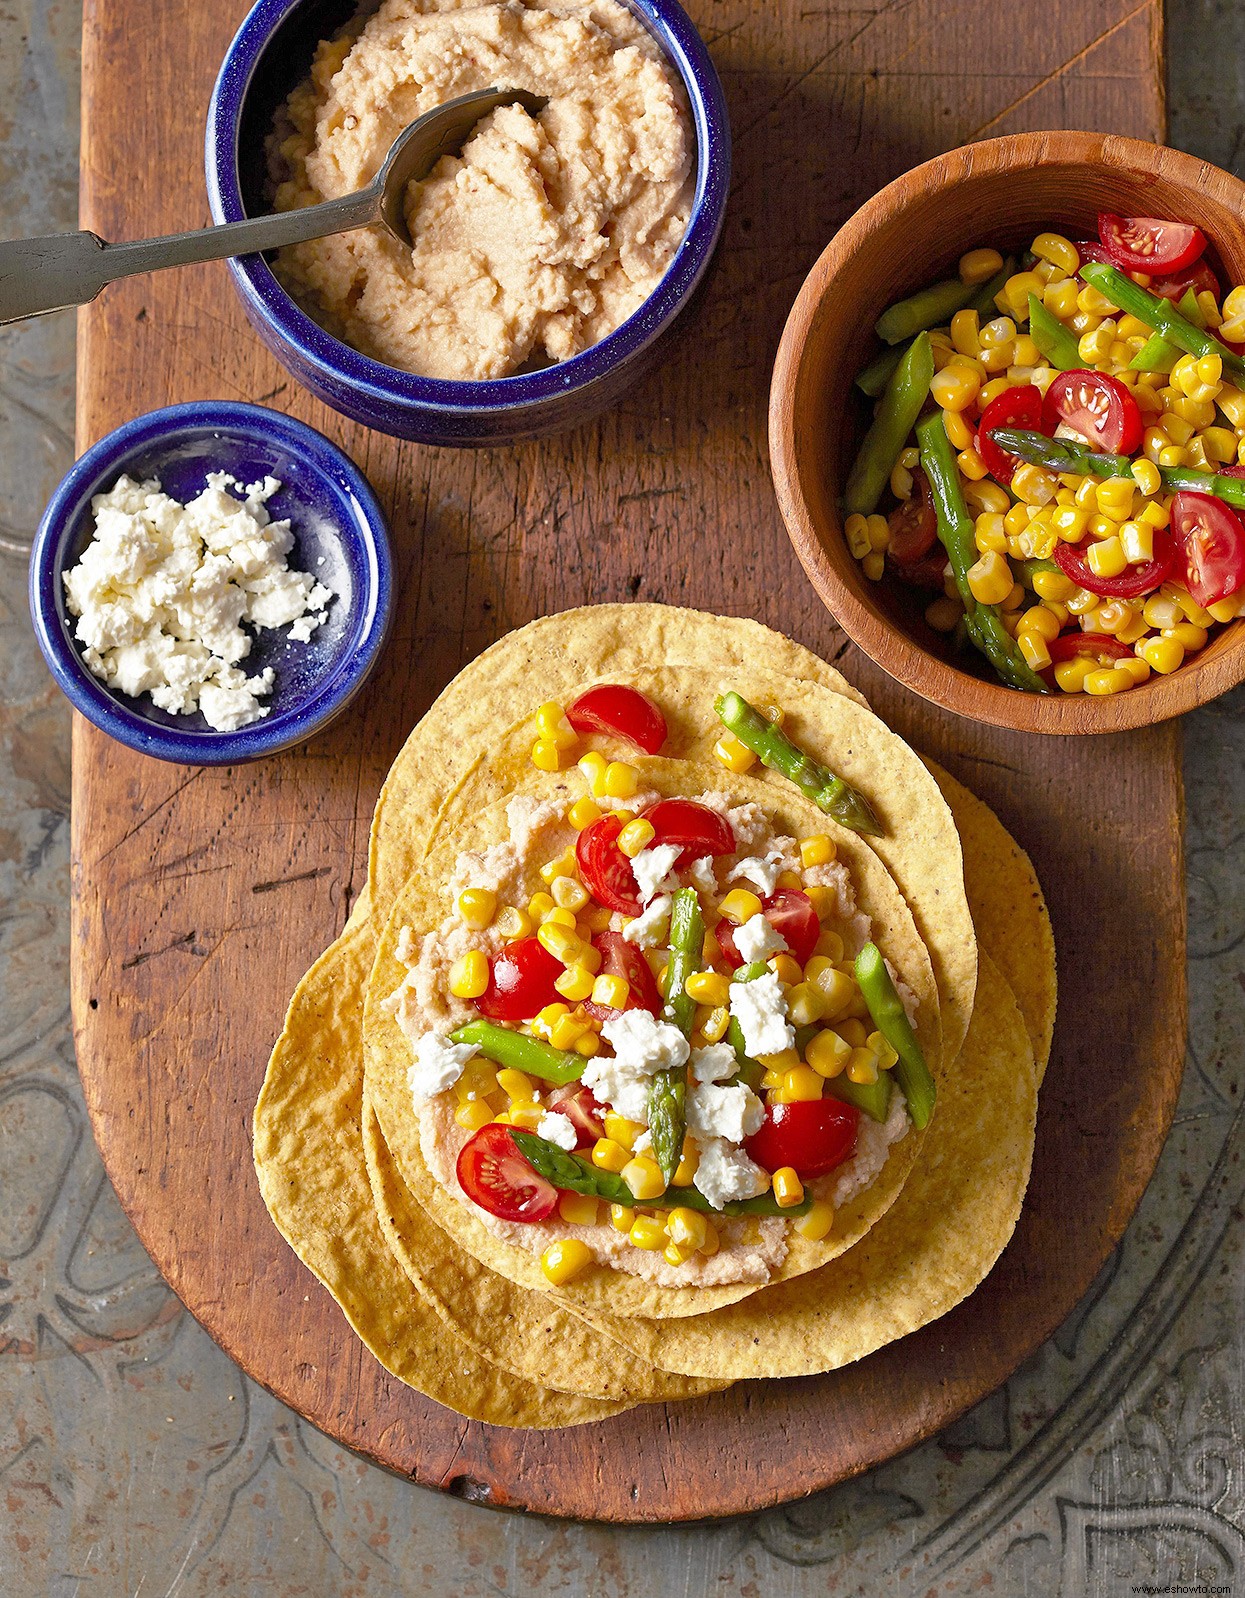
<point x="271" y="54"/>
<point x="339" y="537"/>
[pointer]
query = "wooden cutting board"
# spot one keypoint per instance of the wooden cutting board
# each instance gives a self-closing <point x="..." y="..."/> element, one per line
<point x="200" y="896"/>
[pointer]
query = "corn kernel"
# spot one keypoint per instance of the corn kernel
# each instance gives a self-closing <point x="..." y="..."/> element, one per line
<point x="980" y="265"/>
<point x="786" y="968"/>
<point x="643" y="1176"/>
<point x="828" y="1054"/>
<point x="546" y="756"/>
<point x="469" y="975"/>
<point x="1026" y="352"/>
<point x="473" y="1115"/>
<point x="1137" y="542"/>
<point x="1135" y="667"/>
<point x="577" y="1209"/>
<point x="1053" y="586"/>
<point x="989" y="533"/>
<point x="622" y="1131"/>
<point x="879" y="532"/>
<point x="900" y="483"/>
<point x="1190" y="637"/>
<point x="955" y="387"/>
<point x="708" y="987"/>
<point x="565" y="1259"/>
<point x="1016" y="291"/>
<point x="687" y="1228"/>
<point x="1039" y="620"/>
<point x="856" y="531"/>
<point x="735" y="756"/>
<point x="884" y="1051"/>
<point x="1219" y="444"/>
<point x="476" y="906"/>
<point x="1226" y="609"/>
<point x="514" y="923"/>
<point x="1107" y="681"/>
<point x="525" y="1114"/>
<point x="622" y="1217"/>
<point x="685" y="1174"/>
<point x="562" y="943"/>
<point x="516" y="1085"/>
<point x="829" y="947"/>
<point x="1034" y="484"/>
<point x="990" y="579"/>
<point x="622" y="781"/>
<point x="1163" y="655"/>
<point x="1060" y="298"/>
<point x="609" y="1156"/>
<point x="594" y="767"/>
<point x="1034" y="648"/>
<point x="1071" y="674"/>
<point x="1107" y="558"/>
<point x="788" y="1189"/>
<point x="588" y="1045"/>
<point x="816" y="1223"/>
<point x="552" y="725"/>
<point x="648" y="1234"/>
<point x="635" y="836"/>
<point x="862" y="1066"/>
<point x="943" y="615"/>
<point x="575" y="983"/>
<point x="611" y="991"/>
<point x="789" y="879"/>
<point x="801" y="1083"/>
<point x="971" y="465"/>
<point x="739" y="904"/>
<point x="1061" y="252"/>
<point x="544" y="1019"/>
<point x="1161" y="610"/>
<point x="874" y="566"/>
<point x="716" y="1024"/>
<point x="964" y="330"/>
<point x="837" y="989"/>
<point x="1096" y="304"/>
<point x="805" y="1004"/>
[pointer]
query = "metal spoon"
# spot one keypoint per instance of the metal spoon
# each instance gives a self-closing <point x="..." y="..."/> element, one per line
<point x="62" y="269"/>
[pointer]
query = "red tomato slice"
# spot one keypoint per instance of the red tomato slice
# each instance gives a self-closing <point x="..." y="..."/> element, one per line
<point x="622" y="959"/>
<point x="1092" y="250"/>
<point x="1148" y="243"/>
<point x="605" y="868"/>
<point x="929" y="573"/>
<point x="1070" y="558"/>
<point x="1175" y="286"/>
<point x="913" y="524"/>
<point x="494" y="1175"/>
<point x="694" y="827"/>
<point x="1069" y="645"/>
<point x="1096" y="406"/>
<point x="1211" y="538"/>
<point x="814" y="1136"/>
<point x="520" y="982"/>
<point x="1014" y="407"/>
<point x="789" y="912"/>
<point x="585" y="1113"/>
<point x="625" y="712"/>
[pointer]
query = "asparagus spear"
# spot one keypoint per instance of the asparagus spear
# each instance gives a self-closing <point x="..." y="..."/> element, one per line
<point x="955" y="529"/>
<point x="872" y="379"/>
<point x="667" y="1094"/>
<point x="891" y="1020"/>
<point x="1066" y="455"/>
<point x="928" y="307"/>
<point x="1156" y="354"/>
<point x="901" y="405"/>
<point x="517" y="1052"/>
<point x="829" y="793"/>
<point x="574" y="1174"/>
<point x="1159" y="314"/>
<point x="1052" y="337"/>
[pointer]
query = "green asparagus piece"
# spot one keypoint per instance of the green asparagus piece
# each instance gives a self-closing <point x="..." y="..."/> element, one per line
<point x="901" y="404"/>
<point x="870" y="1098"/>
<point x="515" y="1051"/>
<point x="928" y="307"/>
<point x="1156" y="354"/>
<point x="1066" y="455"/>
<point x="1027" y="570"/>
<point x="574" y="1174"/>
<point x="955" y="529"/>
<point x="829" y="793"/>
<point x="1159" y="314"/>
<point x="667" y="1094"/>
<point x="1052" y="337"/>
<point x="892" y="1022"/>
<point x="872" y="379"/>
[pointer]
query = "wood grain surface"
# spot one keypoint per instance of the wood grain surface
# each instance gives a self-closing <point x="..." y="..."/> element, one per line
<point x="200" y="896"/>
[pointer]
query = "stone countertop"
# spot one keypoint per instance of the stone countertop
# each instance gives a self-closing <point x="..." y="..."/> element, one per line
<point x="136" y="1459"/>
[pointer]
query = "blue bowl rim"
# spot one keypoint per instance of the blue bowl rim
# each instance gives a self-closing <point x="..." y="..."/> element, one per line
<point x="281" y="729"/>
<point x="334" y="361"/>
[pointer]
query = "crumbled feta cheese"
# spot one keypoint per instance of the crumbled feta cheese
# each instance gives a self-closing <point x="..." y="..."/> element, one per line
<point x="726" y="1174"/>
<point x="438" y="1065"/>
<point x="704" y="876"/>
<point x="643" y="1143"/>
<point x="761" y="1011"/>
<point x="733" y="1113"/>
<point x="761" y="871"/>
<point x="649" y="928"/>
<point x="714" y="1063"/>
<point x="758" y="940"/>
<point x="557" y="1128"/>
<point x="642" y="1045"/>
<point x="653" y="870"/>
<point x="162" y="591"/>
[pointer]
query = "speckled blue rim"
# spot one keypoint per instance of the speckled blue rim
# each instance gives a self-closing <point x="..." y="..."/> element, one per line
<point x="381" y="388"/>
<point x="361" y="528"/>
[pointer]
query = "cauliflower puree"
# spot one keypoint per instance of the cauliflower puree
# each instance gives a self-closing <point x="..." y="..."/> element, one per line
<point x="543" y="236"/>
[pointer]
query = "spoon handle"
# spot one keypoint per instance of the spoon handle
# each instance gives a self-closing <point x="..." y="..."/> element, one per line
<point x="63" y="269"/>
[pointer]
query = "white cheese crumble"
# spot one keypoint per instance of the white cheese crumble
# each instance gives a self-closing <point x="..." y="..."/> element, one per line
<point x="756" y="940"/>
<point x="733" y="1113"/>
<point x="558" y="1129"/>
<point x="438" y="1065"/>
<point x="704" y="876"/>
<point x="652" y="869"/>
<point x="714" y="1063"/>
<point x="726" y="1174"/>
<point x="163" y="589"/>
<point x="761" y="1011"/>
<point x="642" y="1046"/>
<point x="649" y="928"/>
<point x="761" y="870"/>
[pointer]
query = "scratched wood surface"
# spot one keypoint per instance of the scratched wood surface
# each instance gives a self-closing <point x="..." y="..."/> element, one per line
<point x="200" y="896"/>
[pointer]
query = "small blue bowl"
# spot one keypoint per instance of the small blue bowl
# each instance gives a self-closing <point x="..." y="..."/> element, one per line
<point x="271" y="54"/>
<point x="339" y="536"/>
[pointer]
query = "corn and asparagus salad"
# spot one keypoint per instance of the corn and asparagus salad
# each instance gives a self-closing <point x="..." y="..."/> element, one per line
<point x="1058" y="450"/>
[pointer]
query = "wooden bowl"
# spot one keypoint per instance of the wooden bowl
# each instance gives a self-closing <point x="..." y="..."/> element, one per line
<point x="1001" y="192"/>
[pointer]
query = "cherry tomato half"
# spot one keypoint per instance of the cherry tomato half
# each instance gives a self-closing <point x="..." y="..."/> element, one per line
<point x="585" y="1113"/>
<point x="929" y="573"/>
<point x="1176" y="285"/>
<point x="605" y="868"/>
<point x="494" y="1175"/>
<point x="1092" y="250"/>
<point x="790" y="913"/>
<point x="622" y="959"/>
<point x="520" y="982"/>
<point x="1069" y="645"/>
<point x="1148" y="243"/>
<point x="813" y="1135"/>
<point x="913" y="524"/>
<point x="625" y="712"/>
<point x="694" y="827"/>
<point x="1211" y="538"/>
<point x="1070" y="558"/>
<point x="1014" y="407"/>
<point x="1096" y="406"/>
